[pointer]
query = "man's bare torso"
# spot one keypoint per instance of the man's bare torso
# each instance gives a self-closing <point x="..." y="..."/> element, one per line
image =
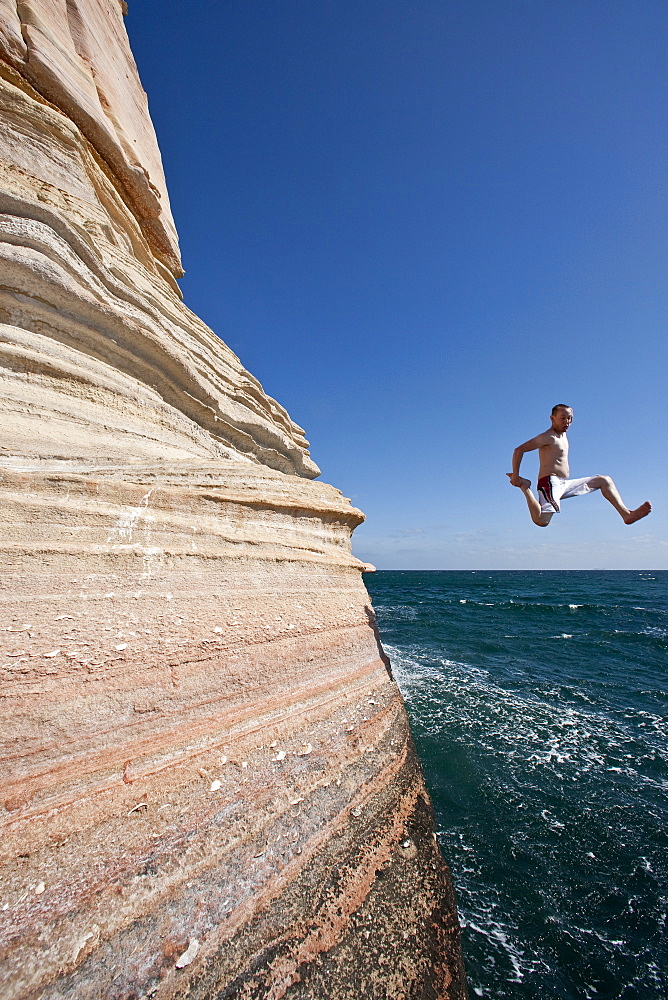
<point x="553" y="454"/>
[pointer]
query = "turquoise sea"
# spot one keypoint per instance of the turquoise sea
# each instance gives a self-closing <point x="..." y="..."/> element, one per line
<point x="539" y="706"/>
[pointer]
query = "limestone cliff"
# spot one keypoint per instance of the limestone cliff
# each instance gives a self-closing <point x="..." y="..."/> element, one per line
<point x="209" y="785"/>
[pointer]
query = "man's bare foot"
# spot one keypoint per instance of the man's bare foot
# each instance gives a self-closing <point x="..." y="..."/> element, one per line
<point x="634" y="515"/>
<point x="522" y="484"/>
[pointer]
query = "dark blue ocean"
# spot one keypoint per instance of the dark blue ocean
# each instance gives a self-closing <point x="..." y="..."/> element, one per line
<point x="538" y="702"/>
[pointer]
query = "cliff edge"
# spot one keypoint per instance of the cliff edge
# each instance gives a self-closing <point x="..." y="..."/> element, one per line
<point x="210" y="787"/>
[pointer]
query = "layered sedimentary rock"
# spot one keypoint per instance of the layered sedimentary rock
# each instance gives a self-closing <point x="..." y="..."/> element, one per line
<point x="209" y="784"/>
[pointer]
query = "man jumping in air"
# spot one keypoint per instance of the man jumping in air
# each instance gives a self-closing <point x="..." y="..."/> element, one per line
<point x="553" y="482"/>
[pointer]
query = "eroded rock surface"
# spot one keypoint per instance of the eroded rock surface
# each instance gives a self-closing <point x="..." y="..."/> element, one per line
<point x="209" y="785"/>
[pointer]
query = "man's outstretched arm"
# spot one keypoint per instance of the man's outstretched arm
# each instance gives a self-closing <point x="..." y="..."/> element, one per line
<point x="518" y="455"/>
<point x="538" y="516"/>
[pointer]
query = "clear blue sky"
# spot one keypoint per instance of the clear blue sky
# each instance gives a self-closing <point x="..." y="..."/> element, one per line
<point x="420" y="223"/>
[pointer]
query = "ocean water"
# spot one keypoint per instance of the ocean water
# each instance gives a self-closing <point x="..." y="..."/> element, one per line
<point x="539" y="706"/>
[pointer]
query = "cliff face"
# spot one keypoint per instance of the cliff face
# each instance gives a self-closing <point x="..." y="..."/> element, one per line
<point x="210" y="788"/>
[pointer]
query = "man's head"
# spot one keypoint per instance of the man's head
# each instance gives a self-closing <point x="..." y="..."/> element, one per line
<point x="562" y="417"/>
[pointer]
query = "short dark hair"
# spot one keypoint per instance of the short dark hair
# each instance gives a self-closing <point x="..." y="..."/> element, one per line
<point x="560" y="406"/>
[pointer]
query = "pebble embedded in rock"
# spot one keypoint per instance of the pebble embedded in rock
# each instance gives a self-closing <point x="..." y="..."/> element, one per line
<point x="189" y="954"/>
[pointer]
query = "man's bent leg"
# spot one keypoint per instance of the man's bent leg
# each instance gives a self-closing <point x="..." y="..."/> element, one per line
<point x="538" y="515"/>
<point x="607" y="487"/>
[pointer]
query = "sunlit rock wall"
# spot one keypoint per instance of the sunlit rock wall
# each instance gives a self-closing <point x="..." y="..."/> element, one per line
<point x="209" y="788"/>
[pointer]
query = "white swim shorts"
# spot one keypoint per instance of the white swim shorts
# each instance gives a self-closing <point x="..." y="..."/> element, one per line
<point x="553" y="489"/>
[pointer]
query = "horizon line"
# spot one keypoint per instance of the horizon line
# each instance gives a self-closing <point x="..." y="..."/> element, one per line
<point x="546" y="569"/>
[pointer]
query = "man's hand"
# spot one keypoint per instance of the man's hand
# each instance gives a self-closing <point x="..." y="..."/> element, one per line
<point x="517" y="480"/>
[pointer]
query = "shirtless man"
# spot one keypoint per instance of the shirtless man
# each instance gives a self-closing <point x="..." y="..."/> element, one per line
<point x="553" y="482"/>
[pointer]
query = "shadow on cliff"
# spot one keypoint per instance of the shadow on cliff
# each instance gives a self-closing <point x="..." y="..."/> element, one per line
<point x="371" y="618"/>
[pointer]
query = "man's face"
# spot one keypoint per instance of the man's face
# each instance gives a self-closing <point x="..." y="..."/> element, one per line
<point x="562" y="419"/>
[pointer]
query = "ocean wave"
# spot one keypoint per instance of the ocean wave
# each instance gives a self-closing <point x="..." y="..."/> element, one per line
<point x="518" y="605"/>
